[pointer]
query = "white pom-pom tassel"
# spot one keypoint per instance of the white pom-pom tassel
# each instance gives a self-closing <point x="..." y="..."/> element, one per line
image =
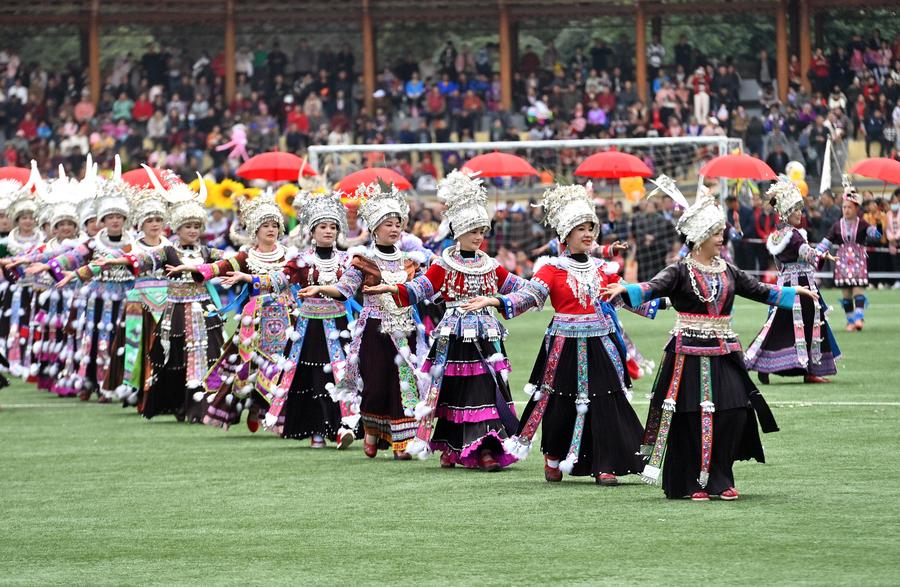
<point x="404" y="386"/>
<point x="567" y="465"/>
<point x="246" y="321"/>
<point x="581" y="408"/>
<point x="229" y="399"/>
<point x="418" y="447"/>
<point x="198" y="396"/>
<point x="334" y="335"/>
<point x="327" y="368"/>
<point x="398" y="360"/>
<point x="295" y="336"/>
<point x="422" y="410"/>
<point x="408" y="412"/>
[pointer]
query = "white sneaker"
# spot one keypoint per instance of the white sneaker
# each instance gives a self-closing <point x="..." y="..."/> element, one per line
<point x="896" y="285"/>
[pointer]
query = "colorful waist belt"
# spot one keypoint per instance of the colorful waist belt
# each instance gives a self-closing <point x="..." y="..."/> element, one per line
<point x="703" y="326"/>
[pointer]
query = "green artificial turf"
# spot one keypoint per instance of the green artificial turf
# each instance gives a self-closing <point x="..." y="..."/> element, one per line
<point x="91" y="494"/>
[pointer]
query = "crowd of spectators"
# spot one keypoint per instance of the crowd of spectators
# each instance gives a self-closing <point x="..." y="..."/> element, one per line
<point x="169" y="108"/>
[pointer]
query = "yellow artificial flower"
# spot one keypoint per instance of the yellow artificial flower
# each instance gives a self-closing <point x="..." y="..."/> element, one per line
<point x="285" y="198"/>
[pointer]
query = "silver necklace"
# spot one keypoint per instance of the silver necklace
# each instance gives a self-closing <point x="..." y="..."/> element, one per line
<point x="717" y="267"/>
<point x="395" y="256"/>
<point x="326" y="269"/>
<point x="583" y="278"/>
<point x="261" y="263"/>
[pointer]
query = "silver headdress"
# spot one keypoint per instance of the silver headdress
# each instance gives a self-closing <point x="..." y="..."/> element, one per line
<point x="313" y="208"/>
<point x="185" y="205"/>
<point x="377" y="202"/>
<point x="56" y="200"/>
<point x="700" y="220"/>
<point x="23" y="200"/>
<point x="261" y="209"/>
<point x="113" y="194"/>
<point x="86" y="201"/>
<point x="466" y="200"/>
<point x="567" y="206"/>
<point x="148" y="203"/>
<point x="850" y="193"/>
<point x="787" y="197"/>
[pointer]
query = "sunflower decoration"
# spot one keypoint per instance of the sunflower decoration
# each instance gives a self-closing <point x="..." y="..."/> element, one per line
<point x="250" y="193"/>
<point x="231" y="189"/>
<point x="214" y="197"/>
<point x="285" y="198"/>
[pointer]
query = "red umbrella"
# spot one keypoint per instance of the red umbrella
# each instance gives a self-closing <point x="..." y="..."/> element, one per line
<point x="883" y="168"/>
<point x="20" y="174"/>
<point x="501" y="165"/>
<point x="275" y="166"/>
<point x="368" y="175"/>
<point x="738" y="167"/>
<point x="139" y="178"/>
<point x="613" y="165"/>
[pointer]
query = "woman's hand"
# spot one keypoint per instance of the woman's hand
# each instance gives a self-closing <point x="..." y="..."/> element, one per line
<point x="618" y="247"/>
<point x="374" y="290"/>
<point x="173" y="270"/>
<point x="829" y="257"/>
<point x="480" y="302"/>
<point x="234" y="277"/>
<point x="66" y="280"/>
<point x="309" y="292"/>
<point x="36" y="268"/>
<point x="107" y="261"/>
<point x="611" y="291"/>
<point x="807" y="293"/>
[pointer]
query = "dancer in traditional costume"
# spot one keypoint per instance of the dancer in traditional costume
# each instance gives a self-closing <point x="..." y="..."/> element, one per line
<point x="188" y="336"/>
<point x="468" y="395"/>
<point x="580" y="387"/>
<point x="704" y="406"/>
<point x="315" y="358"/>
<point x="99" y="360"/>
<point x="799" y="341"/>
<point x="24" y="239"/>
<point x="145" y="302"/>
<point x="243" y="376"/>
<point x="851" y="273"/>
<point x="381" y="373"/>
<point x="53" y="305"/>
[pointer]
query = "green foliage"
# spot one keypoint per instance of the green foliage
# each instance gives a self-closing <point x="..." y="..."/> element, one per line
<point x="91" y="494"/>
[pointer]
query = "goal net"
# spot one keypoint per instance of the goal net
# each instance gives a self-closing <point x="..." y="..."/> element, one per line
<point x="518" y="236"/>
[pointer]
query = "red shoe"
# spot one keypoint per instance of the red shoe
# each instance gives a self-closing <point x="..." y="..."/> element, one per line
<point x="344" y="439"/>
<point x="730" y="494"/>
<point x="252" y="423"/>
<point x="606" y="480"/>
<point x="371" y="450"/>
<point x="402" y="455"/>
<point x="487" y="462"/>
<point x="84" y="396"/>
<point x="447" y="461"/>
<point x="103" y="399"/>
<point x="699" y="496"/>
<point x="851" y="327"/>
<point x="552" y="474"/>
<point x="859" y="324"/>
<point x="815" y="379"/>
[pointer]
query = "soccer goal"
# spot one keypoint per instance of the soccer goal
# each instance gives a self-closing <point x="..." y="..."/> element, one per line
<point x="556" y="160"/>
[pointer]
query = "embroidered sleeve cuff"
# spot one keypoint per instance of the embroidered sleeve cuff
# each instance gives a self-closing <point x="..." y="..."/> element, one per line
<point x="783" y="297"/>
<point x="637" y="293"/>
<point x="404" y="296"/>
<point x="134" y="265"/>
<point x="85" y="273"/>
<point x="824" y="246"/>
<point x="873" y="233"/>
<point x="507" y="308"/>
<point x="55" y="270"/>
<point x="208" y="271"/>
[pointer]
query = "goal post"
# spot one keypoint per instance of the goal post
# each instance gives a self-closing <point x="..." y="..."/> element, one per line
<point x="678" y="157"/>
